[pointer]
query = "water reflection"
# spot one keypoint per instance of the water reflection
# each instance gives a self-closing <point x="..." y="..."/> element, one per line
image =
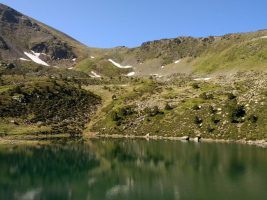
<point x="134" y="169"/>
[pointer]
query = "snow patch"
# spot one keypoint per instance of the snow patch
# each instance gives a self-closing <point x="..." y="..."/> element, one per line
<point x="177" y="61"/>
<point x="131" y="74"/>
<point x="36" y="54"/>
<point x="202" y="79"/>
<point x="95" y="75"/>
<point x="92" y="57"/>
<point x="162" y="67"/>
<point x="70" y="68"/>
<point x="35" y="58"/>
<point x="119" y="65"/>
<point x="24" y="59"/>
<point x="74" y="59"/>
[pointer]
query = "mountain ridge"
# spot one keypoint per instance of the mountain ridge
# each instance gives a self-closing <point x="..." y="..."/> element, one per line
<point x="22" y="36"/>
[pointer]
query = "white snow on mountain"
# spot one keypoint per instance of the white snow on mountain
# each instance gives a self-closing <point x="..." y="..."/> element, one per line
<point x="131" y="74"/>
<point x="35" y="58"/>
<point x="24" y="59"/>
<point x="95" y="75"/>
<point x="119" y="65"/>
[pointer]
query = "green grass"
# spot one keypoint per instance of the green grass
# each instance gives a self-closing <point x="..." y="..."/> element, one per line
<point x="241" y="56"/>
<point x="225" y="54"/>
<point x="101" y="66"/>
<point x="6" y="88"/>
<point x="215" y="113"/>
<point x="12" y="129"/>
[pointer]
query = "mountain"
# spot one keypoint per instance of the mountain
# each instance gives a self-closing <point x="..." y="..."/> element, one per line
<point x="220" y="54"/>
<point x="215" y="87"/>
<point x="23" y="38"/>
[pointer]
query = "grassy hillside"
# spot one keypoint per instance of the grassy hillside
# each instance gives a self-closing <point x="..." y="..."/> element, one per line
<point x="44" y="105"/>
<point x="101" y="66"/>
<point x="231" y="107"/>
<point x="221" y="54"/>
<point x="234" y="52"/>
<point x="164" y="96"/>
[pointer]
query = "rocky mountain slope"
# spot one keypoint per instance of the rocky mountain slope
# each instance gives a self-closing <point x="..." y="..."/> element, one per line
<point x="225" y="107"/>
<point x="51" y="84"/>
<point x="25" y="39"/>
<point x="212" y="55"/>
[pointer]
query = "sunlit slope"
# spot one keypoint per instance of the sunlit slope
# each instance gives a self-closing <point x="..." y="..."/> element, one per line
<point x="224" y="54"/>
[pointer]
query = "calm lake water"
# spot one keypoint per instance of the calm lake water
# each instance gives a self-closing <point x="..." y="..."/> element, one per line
<point x="134" y="170"/>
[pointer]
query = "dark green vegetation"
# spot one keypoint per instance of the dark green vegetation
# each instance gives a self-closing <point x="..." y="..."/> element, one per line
<point x="37" y="99"/>
<point x="48" y="103"/>
<point x="133" y="169"/>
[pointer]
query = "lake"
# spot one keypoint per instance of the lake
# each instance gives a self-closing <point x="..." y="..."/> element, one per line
<point x="133" y="170"/>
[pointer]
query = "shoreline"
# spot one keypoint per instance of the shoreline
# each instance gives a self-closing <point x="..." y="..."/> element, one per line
<point x="46" y="139"/>
<point x="259" y="143"/>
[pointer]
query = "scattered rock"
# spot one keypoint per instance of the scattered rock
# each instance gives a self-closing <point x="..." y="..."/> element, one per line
<point x="197" y="138"/>
<point x="185" y="138"/>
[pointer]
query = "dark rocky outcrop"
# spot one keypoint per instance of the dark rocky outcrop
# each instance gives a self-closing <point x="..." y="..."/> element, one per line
<point x="3" y="44"/>
<point x="8" y="16"/>
<point x="57" y="50"/>
<point x="62" y="52"/>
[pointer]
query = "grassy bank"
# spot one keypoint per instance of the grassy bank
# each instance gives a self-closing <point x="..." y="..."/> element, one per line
<point x="231" y="107"/>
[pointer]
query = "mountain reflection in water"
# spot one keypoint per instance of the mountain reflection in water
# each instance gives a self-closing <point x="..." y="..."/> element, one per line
<point x="133" y="169"/>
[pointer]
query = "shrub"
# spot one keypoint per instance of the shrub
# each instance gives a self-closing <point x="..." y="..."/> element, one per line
<point x="120" y="114"/>
<point x="237" y="113"/>
<point x="197" y="120"/>
<point x="115" y="116"/>
<point x="168" y="107"/>
<point x="210" y="129"/>
<point x="231" y="96"/>
<point x="153" y="111"/>
<point x="206" y="96"/>
<point x="195" y="86"/>
<point x="196" y="107"/>
<point x="212" y="110"/>
<point x="215" y="120"/>
<point x="253" y="118"/>
<point x="114" y="97"/>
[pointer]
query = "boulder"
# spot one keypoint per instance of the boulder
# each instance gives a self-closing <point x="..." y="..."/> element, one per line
<point x="3" y="44"/>
<point x="197" y="138"/>
<point x="185" y="138"/>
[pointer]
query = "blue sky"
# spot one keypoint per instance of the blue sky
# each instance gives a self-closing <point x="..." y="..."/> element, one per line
<point x="109" y="23"/>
